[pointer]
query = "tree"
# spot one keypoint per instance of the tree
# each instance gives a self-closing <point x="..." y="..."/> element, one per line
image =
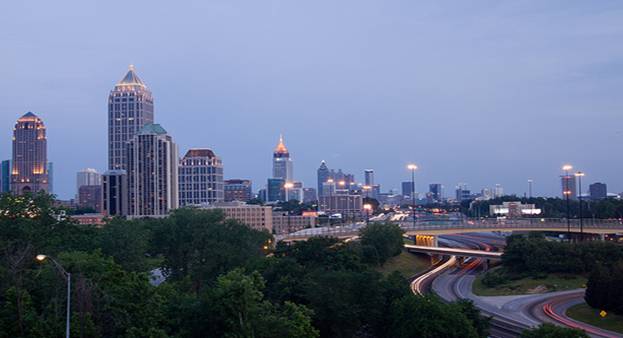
<point x="553" y="331"/>
<point x="381" y="241"/>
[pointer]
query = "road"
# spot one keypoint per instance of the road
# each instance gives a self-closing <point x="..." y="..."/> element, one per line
<point x="510" y="314"/>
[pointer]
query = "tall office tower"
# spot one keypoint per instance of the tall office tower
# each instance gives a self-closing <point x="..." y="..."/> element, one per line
<point x="115" y="193"/>
<point x="30" y="162"/>
<point x="462" y="193"/>
<point x="275" y="190"/>
<point x="309" y="195"/>
<point x="5" y="176"/>
<point x="407" y="188"/>
<point x="323" y="173"/>
<point x="238" y="190"/>
<point x="598" y="191"/>
<point x="568" y="183"/>
<point x="152" y="173"/>
<point x="200" y="178"/>
<point x="282" y="163"/>
<point x="498" y="191"/>
<point x="130" y="107"/>
<point x="369" y="177"/>
<point x="88" y="176"/>
<point x="436" y="191"/>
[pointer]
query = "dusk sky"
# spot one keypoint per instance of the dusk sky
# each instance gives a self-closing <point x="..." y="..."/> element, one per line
<point x="480" y="92"/>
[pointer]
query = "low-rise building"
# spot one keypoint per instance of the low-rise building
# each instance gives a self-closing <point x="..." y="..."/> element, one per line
<point x="255" y="216"/>
<point x="96" y="219"/>
<point x="238" y="190"/>
<point x="514" y="210"/>
<point x="90" y="196"/>
<point x="345" y="204"/>
<point x="284" y="223"/>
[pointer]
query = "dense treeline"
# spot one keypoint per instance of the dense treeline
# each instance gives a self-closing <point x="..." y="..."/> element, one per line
<point x="604" y="289"/>
<point x="220" y="282"/>
<point x="534" y="254"/>
<point x="552" y="207"/>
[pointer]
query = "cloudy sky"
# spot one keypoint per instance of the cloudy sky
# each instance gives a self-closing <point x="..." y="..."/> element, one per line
<point x="481" y="92"/>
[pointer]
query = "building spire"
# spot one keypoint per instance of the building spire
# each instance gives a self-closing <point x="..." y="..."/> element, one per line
<point x="281" y="147"/>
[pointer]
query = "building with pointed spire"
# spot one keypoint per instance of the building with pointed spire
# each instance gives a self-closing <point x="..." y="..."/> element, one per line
<point x="130" y="107"/>
<point x="282" y="163"/>
<point x="152" y="173"/>
<point x="29" y="172"/>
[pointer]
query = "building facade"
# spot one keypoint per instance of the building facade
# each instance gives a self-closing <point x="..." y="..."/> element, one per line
<point x="598" y="191"/>
<point x="130" y="107"/>
<point x="90" y="196"/>
<point x="29" y="172"/>
<point x="569" y="183"/>
<point x="238" y="190"/>
<point x="255" y="216"/>
<point x="152" y="173"/>
<point x="200" y="178"/>
<point x="115" y="193"/>
<point x="5" y="176"/>
<point x="309" y="195"/>
<point x="323" y="175"/>
<point x="369" y="177"/>
<point x="275" y="190"/>
<point x="88" y="176"/>
<point x="349" y="206"/>
<point x="282" y="163"/>
<point x="284" y="223"/>
<point x="436" y="192"/>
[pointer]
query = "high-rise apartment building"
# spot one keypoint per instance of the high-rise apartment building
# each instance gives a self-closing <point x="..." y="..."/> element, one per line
<point x="282" y="163"/>
<point x="407" y="188"/>
<point x="152" y="173"/>
<point x="29" y="173"/>
<point x="88" y="176"/>
<point x="238" y="190"/>
<point x="50" y="177"/>
<point x="115" y="193"/>
<point x="200" y="178"/>
<point x="130" y="107"/>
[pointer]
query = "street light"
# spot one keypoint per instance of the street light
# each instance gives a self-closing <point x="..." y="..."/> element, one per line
<point x="67" y="275"/>
<point x="413" y="168"/>
<point x="566" y="168"/>
<point x="579" y="175"/>
<point x="367" y="207"/>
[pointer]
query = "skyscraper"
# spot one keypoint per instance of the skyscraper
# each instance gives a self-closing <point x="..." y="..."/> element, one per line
<point x="598" y="191"/>
<point x="323" y="175"/>
<point x="436" y="191"/>
<point x="152" y="173"/>
<point x="282" y="163"/>
<point x="275" y="190"/>
<point x="200" y="178"/>
<point x="5" y="176"/>
<point x="130" y="107"/>
<point x="369" y="177"/>
<point x="115" y="193"/>
<point x="88" y="176"/>
<point x="30" y="162"/>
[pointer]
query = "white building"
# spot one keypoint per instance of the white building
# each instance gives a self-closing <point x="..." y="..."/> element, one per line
<point x="200" y="178"/>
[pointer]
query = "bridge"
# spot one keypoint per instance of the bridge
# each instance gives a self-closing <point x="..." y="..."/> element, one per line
<point x="434" y="227"/>
<point x="454" y="251"/>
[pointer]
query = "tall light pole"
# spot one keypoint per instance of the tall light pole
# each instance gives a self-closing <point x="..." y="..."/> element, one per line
<point x="567" y="194"/>
<point x="413" y="168"/>
<point x="579" y="175"/>
<point x="67" y="275"/>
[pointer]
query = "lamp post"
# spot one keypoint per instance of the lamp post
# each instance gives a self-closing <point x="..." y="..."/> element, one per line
<point x="67" y="275"/>
<point x="413" y="168"/>
<point x="579" y="175"/>
<point x="367" y="207"/>
<point x="567" y="193"/>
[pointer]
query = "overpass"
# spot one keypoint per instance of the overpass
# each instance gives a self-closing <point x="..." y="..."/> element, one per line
<point x="454" y="251"/>
<point x="434" y="227"/>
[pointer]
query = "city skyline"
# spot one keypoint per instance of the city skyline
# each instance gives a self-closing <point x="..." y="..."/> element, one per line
<point x="441" y="119"/>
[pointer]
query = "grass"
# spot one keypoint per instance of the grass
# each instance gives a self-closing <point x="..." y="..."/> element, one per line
<point x="529" y="285"/>
<point x="406" y="263"/>
<point x="587" y="314"/>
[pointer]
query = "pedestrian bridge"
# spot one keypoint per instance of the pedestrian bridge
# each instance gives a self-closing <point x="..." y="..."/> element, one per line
<point x="444" y="227"/>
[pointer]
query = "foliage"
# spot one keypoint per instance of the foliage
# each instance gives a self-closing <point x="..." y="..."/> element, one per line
<point x="553" y="207"/>
<point x="553" y="331"/>
<point x="603" y="290"/>
<point x="535" y="254"/>
<point x="379" y="242"/>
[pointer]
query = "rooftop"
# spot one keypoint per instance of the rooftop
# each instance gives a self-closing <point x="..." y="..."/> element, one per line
<point x="151" y="129"/>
